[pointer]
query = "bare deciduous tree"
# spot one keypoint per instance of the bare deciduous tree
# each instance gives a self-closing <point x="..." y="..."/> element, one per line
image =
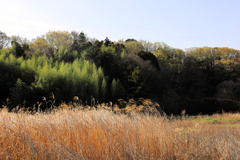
<point x="4" y="40"/>
<point x="92" y="40"/>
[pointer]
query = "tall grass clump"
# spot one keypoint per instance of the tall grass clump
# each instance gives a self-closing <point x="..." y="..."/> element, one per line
<point x="85" y="132"/>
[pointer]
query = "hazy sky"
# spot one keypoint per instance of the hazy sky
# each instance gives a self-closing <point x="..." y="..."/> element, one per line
<point x="179" y="23"/>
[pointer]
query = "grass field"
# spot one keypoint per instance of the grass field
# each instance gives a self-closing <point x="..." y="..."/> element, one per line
<point x="79" y="133"/>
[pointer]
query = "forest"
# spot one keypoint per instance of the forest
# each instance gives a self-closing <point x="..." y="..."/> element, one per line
<point x="64" y="67"/>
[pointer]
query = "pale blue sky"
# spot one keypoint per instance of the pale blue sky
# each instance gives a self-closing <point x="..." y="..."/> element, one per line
<point x="179" y="23"/>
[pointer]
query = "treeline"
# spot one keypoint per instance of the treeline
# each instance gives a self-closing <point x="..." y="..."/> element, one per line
<point x="27" y="80"/>
<point x="67" y="64"/>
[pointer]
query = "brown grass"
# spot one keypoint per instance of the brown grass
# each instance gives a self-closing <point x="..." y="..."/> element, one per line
<point x="101" y="134"/>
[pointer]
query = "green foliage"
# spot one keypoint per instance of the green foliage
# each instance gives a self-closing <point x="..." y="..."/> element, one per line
<point x="123" y="54"/>
<point x="117" y="90"/>
<point x="103" y="92"/>
<point x="19" y="91"/>
<point x="39" y="76"/>
<point x="114" y="90"/>
<point x="69" y="65"/>
<point x="133" y="47"/>
<point x="148" y="56"/>
<point x="137" y="85"/>
<point x="120" y="90"/>
<point x="82" y="38"/>
<point x="18" y="50"/>
<point x="107" y="42"/>
<point x="84" y="46"/>
<point x="107" y="49"/>
<point x="60" y="52"/>
<point x="231" y="121"/>
<point x="130" y="40"/>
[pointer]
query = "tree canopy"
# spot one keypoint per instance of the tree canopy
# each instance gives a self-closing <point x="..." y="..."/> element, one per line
<point x="69" y="65"/>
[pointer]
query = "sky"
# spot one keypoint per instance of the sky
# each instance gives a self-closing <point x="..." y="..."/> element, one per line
<point x="179" y="23"/>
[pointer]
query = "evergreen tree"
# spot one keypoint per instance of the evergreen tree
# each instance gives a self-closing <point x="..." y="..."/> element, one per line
<point x="17" y="49"/>
<point x="120" y="90"/>
<point x="107" y="41"/>
<point x="103" y="90"/>
<point x="82" y="38"/>
<point x="114" y="90"/>
<point x="18" y="92"/>
<point x="94" y="83"/>
<point x="137" y="84"/>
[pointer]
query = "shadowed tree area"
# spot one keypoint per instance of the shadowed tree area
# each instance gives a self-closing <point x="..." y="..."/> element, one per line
<point x="66" y="65"/>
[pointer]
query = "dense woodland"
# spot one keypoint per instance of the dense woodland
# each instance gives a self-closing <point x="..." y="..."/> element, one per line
<point x="61" y="65"/>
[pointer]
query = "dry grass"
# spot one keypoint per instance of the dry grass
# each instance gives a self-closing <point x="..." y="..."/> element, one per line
<point x="100" y="134"/>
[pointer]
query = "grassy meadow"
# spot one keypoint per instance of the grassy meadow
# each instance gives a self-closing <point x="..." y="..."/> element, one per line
<point x="107" y="132"/>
